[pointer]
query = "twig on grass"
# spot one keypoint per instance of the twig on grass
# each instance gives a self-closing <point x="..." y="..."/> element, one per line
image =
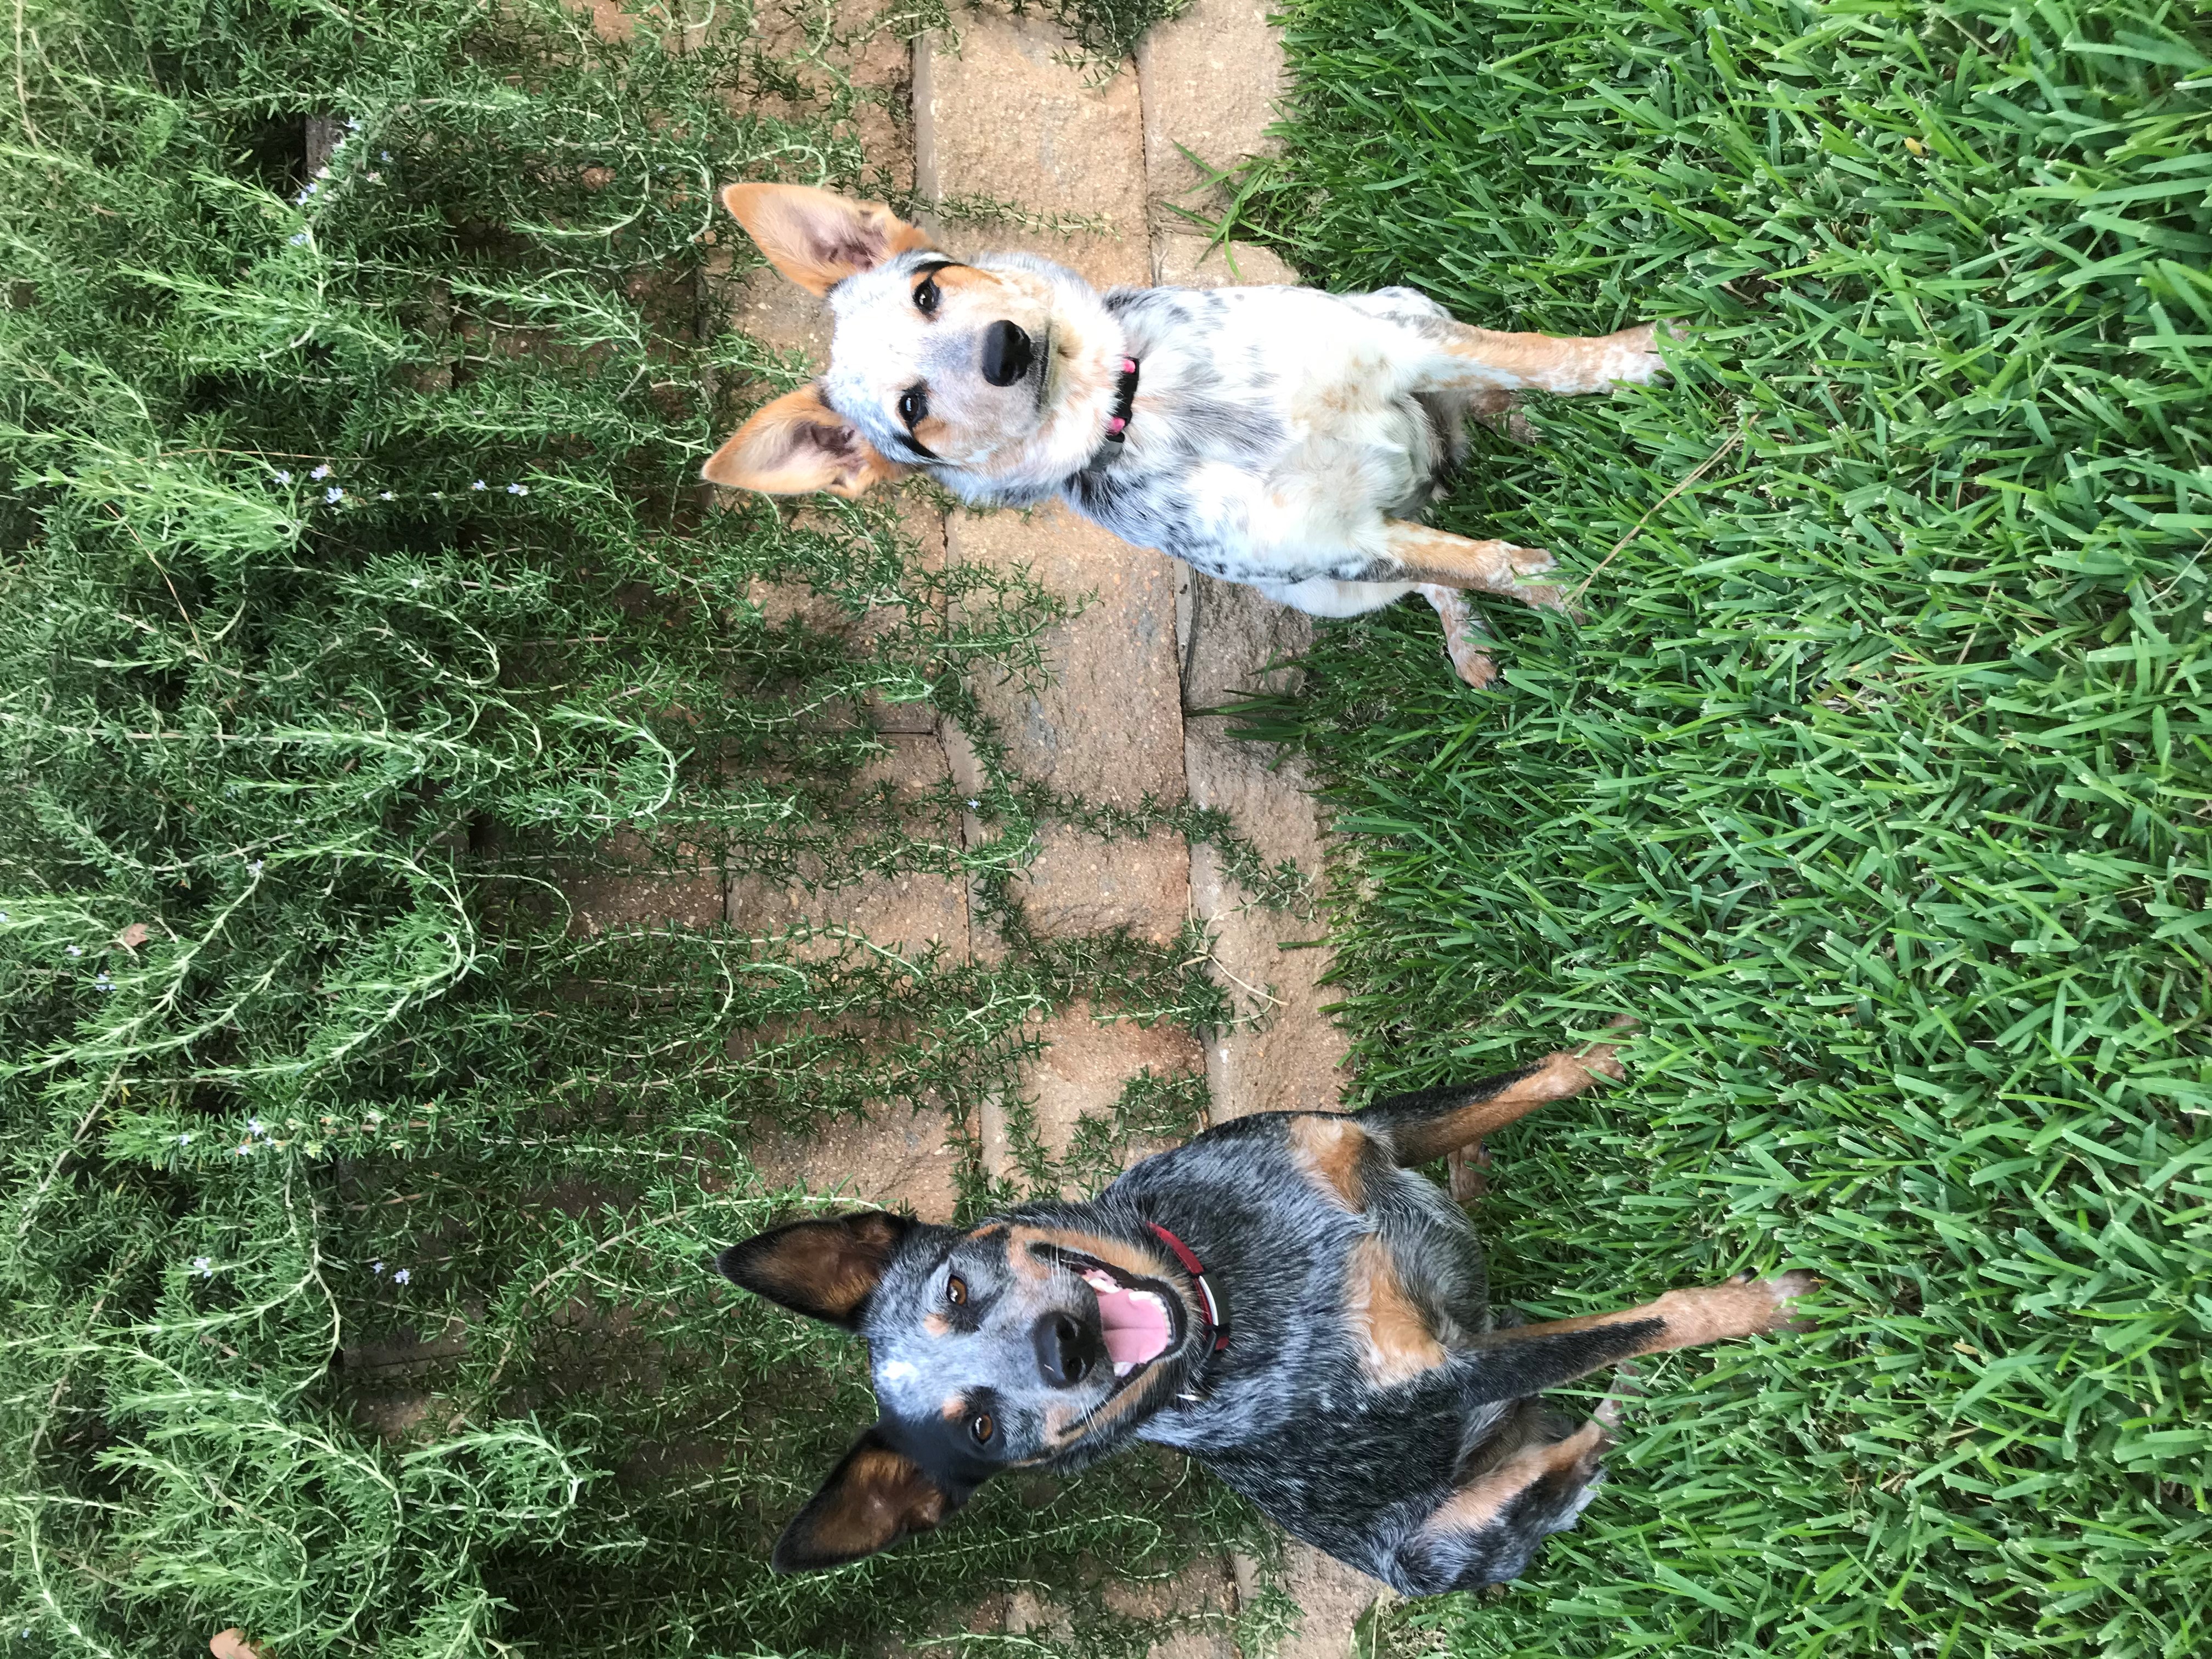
<point x="1704" y="467"/>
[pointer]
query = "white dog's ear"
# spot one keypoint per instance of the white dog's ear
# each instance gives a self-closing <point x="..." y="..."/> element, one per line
<point x="796" y="445"/>
<point x="816" y="238"/>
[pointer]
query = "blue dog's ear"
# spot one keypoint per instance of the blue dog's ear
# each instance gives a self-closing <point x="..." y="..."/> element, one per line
<point x="876" y="1497"/>
<point x="825" y="1269"/>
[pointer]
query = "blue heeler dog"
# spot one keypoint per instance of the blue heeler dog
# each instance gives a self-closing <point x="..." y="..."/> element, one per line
<point x="1285" y="1297"/>
<point x="1282" y="437"/>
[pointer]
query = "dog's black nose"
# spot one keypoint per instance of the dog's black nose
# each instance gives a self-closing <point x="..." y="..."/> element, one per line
<point x="1066" y="1351"/>
<point x="1006" y="354"/>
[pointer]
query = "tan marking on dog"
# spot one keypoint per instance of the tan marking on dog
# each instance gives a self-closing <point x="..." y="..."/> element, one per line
<point x="794" y="445"/>
<point x="1424" y="555"/>
<point x="966" y="281"/>
<point x="936" y="1324"/>
<point x="1326" y="1149"/>
<point x="953" y="1409"/>
<point x="933" y="434"/>
<point x="1129" y="1258"/>
<point x="1566" y="367"/>
<point x="883" y="1494"/>
<point x="1686" y="1318"/>
<point x="1560" y="1076"/>
<point x="1132" y="1395"/>
<point x="815" y="238"/>
<point x="1395" y="1342"/>
<point x="1480" y="1503"/>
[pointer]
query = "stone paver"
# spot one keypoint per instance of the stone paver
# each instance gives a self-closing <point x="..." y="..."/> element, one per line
<point x="1211" y="80"/>
<point x="604" y="899"/>
<point x="1186" y="259"/>
<point x="1085" y="1065"/>
<point x="905" y="911"/>
<point x="1331" y="1598"/>
<point x="1002" y="117"/>
<point x="896" y="1160"/>
<point x="1107" y="727"/>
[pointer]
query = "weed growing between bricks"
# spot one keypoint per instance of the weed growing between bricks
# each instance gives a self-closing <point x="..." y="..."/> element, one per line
<point x="1873" y="783"/>
<point x="360" y="604"/>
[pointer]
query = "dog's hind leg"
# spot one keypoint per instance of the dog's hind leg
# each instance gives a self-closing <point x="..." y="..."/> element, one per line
<point x="1466" y="359"/>
<point x="1487" y="1531"/>
<point x="1530" y="1476"/>
<point x="1430" y="1122"/>
<point x="1464" y="635"/>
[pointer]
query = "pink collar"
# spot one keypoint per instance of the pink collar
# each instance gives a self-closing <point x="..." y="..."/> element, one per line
<point x="1125" y="398"/>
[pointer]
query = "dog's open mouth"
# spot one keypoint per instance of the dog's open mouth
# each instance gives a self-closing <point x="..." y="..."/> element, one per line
<point x="1141" y="1319"/>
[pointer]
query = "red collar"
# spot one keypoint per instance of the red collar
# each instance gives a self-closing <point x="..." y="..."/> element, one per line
<point x="1216" y="1320"/>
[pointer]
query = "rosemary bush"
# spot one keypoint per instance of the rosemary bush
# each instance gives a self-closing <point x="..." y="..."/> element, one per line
<point x="358" y="602"/>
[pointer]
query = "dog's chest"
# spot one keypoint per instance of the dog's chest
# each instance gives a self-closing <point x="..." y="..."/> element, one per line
<point x="1338" y="1310"/>
<point x="1274" y="429"/>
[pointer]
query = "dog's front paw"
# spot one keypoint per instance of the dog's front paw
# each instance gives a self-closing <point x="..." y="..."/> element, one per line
<point x="1528" y="563"/>
<point x="1784" y="1289"/>
<point x="1632" y="355"/>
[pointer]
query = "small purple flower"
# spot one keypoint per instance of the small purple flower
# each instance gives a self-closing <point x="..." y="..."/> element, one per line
<point x="400" y="1277"/>
<point x="299" y="240"/>
<point x="376" y="1267"/>
<point x="384" y="155"/>
<point x="334" y="494"/>
<point x="254" y="1126"/>
<point x="183" y="1140"/>
<point x="353" y="123"/>
<point x="254" y="868"/>
<point x="204" y="1266"/>
<point x="75" y="949"/>
<point x="384" y="495"/>
<point x="283" y="477"/>
<point x="479" y="484"/>
<point x="518" y="489"/>
<point x="322" y="471"/>
<point x="101" y="983"/>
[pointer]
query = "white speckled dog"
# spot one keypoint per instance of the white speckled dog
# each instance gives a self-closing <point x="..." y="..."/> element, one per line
<point x="1281" y="437"/>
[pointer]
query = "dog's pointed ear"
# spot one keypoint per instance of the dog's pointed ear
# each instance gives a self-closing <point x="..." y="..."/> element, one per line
<point x="816" y="238"/>
<point x="825" y="1269"/>
<point x="876" y="1497"/>
<point x="795" y="444"/>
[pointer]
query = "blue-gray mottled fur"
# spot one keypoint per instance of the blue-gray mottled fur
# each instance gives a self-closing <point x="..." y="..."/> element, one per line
<point x="1284" y="1413"/>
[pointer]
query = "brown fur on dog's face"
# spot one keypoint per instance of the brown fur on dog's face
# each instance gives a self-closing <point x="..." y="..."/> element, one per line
<point x="933" y="362"/>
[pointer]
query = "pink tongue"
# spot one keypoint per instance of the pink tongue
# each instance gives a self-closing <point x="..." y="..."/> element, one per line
<point x="1136" y="1328"/>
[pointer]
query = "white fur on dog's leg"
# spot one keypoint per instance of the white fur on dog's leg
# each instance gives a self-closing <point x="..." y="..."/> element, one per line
<point x="1632" y="355"/>
<point x="1625" y="1388"/>
<point x="1464" y="633"/>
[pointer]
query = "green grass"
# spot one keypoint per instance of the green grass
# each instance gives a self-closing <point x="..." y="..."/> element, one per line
<point x="1874" y="783"/>
<point x="356" y="588"/>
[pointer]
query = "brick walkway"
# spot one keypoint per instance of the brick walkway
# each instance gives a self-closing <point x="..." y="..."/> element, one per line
<point x="996" y="114"/>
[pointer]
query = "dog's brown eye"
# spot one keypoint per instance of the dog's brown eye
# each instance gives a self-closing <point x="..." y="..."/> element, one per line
<point x="913" y="406"/>
<point x="980" y="1427"/>
<point x="925" y="297"/>
<point x="956" y="1290"/>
